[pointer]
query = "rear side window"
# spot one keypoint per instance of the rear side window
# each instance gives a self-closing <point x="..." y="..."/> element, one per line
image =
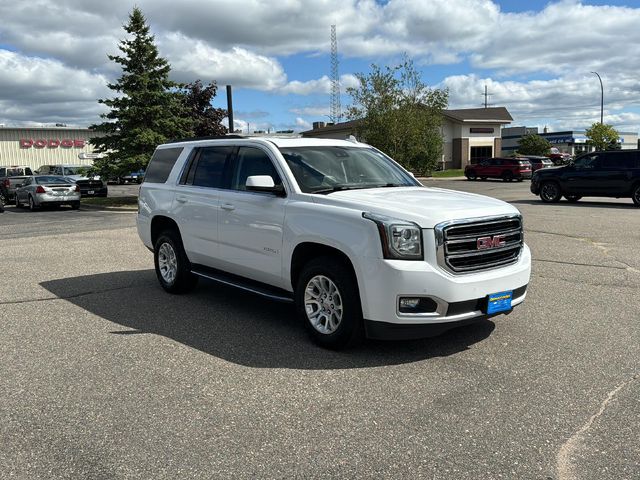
<point x="209" y="167"/>
<point x="621" y="160"/>
<point x="161" y="164"/>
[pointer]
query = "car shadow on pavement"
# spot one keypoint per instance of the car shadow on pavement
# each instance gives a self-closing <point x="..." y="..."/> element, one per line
<point x="580" y="203"/>
<point x="237" y="326"/>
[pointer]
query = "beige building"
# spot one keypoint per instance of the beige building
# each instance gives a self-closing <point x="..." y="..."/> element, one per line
<point x="468" y="134"/>
<point x="36" y="146"/>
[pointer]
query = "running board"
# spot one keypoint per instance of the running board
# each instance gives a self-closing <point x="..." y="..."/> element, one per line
<point x="263" y="290"/>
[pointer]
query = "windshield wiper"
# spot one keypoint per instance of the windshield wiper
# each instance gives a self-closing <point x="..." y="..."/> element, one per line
<point x="340" y="188"/>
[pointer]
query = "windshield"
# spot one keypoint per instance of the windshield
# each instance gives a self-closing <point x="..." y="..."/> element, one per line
<point x="52" y="180"/>
<point x="324" y="169"/>
<point x="74" y="170"/>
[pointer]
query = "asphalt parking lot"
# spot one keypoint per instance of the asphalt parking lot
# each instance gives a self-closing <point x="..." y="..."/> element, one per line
<point x="103" y="375"/>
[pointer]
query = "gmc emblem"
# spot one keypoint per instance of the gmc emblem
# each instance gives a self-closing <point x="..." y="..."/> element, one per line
<point x="496" y="241"/>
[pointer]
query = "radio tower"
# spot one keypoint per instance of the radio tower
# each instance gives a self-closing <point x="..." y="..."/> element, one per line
<point x="335" y="113"/>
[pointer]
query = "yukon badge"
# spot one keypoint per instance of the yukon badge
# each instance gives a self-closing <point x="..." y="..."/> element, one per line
<point x="484" y="243"/>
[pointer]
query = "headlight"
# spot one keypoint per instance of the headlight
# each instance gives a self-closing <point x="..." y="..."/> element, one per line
<point x="400" y="239"/>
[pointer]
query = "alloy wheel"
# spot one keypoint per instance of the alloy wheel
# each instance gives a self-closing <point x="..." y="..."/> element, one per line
<point x="323" y="304"/>
<point x="167" y="263"/>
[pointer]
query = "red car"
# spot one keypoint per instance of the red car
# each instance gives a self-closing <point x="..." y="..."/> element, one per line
<point x="507" y="169"/>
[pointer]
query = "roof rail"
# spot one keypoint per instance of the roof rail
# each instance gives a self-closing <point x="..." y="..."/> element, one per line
<point x="211" y="137"/>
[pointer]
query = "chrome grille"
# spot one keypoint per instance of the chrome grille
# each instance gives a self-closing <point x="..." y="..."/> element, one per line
<point x="459" y="243"/>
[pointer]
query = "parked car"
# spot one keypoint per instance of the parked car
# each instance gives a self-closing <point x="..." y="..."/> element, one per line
<point x="597" y="174"/>
<point x="538" y="162"/>
<point x="560" y="158"/>
<point x="10" y="176"/>
<point x="133" y="177"/>
<point x="47" y="190"/>
<point x="335" y="227"/>
<point x="89" y="186"/>
<point x="506" y="168"/>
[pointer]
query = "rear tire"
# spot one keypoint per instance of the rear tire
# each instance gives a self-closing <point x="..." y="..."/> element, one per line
<point x="572" y="198"/>
<point x="507" y="176"/>
<point x="550" y="192"/>
<point x="75" y="205"/>
<point x="173" y="268"/>
<point x="328" y="303"/>
<point x="18" y="204"/>
<point x="635" y="195"/>
<point x="32" y="204"/>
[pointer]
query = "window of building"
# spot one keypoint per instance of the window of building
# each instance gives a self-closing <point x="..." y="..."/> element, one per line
<point x="480" y="153"/>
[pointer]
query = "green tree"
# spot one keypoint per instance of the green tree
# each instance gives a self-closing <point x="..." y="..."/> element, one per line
<point x="146" y="110"/>
<point x="533" y="145"/>
<point x="206" y="120"/>
<point x="603" y="136"/>
<point x="400" y="115"/>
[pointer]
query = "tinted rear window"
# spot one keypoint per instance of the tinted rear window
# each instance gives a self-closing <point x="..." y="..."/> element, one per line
<point x="622" y="160"/>
<point x="210" y="168"/>
<point x="161" y="164"/>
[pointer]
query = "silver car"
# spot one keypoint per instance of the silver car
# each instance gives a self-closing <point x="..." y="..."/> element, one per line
<point x="40" y="190"/>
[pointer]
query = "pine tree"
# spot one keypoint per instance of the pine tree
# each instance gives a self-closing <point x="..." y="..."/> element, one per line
<point x="147" y="109"/>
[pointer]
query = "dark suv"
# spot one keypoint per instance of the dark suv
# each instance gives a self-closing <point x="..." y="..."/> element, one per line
<point x="597" y="174"/>
<point x="505" y="168"/>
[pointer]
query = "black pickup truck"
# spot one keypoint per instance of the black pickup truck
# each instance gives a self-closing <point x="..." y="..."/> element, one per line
<point x="613" y="173"/>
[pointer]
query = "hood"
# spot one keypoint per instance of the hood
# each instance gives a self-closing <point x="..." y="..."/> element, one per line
<point x="422" y="205"/>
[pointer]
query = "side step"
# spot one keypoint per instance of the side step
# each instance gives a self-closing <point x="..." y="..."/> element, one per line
<point x="258" y="288"/>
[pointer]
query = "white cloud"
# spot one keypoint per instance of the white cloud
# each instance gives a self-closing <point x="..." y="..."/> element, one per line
<point x="192" y="59"/>
<point x="47" y="90"/>
<point x="572" y="101"/>
<point x="302" y="124"/>
<point x="321" y="85"/>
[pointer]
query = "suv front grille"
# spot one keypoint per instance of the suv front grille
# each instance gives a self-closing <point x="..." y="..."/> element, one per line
<point x="468" y="246"/>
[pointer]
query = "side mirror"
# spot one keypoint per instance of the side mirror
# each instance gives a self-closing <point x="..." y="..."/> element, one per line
<point x="263" y="183"/>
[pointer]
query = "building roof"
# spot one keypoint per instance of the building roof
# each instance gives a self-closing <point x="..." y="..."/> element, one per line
<point x="490" y="114"/>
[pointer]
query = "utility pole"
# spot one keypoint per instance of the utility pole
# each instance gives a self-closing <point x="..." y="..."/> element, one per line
<point x="335" y="113"/>
<point x="601" y="99"/>
<point x="486" y="97"/>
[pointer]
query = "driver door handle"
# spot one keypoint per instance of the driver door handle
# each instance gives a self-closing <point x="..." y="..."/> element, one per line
<point x="181" y="198"/>
<point x="228" y="207"/>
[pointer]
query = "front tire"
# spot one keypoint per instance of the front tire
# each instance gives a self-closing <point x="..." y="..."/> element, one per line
<point x="18" y="204"/>
<point x="173" y="268"/>
<point x="550" y="192"/>
<point x="32" y="204"/>
<point x="471" y="175"/>
<point x="328" y="302"/>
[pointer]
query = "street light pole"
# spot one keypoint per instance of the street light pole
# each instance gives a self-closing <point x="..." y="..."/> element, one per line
<point x="601" y="99"/>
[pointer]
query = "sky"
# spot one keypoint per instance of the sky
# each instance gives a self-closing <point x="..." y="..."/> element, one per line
<point x="535" y="57"/>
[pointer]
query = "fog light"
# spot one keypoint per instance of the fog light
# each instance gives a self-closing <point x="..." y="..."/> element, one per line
<point x="409" y="303"/>
<point x="417" y="305"/>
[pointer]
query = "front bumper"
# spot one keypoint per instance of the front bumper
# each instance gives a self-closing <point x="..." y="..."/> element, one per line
<point x="535" y="186"/>
<point x="460" y="298"/>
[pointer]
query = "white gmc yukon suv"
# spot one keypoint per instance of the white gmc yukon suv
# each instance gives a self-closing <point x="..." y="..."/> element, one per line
<point x="335" y="226"/>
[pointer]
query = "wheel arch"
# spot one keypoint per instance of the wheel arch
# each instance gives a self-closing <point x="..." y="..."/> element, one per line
<point x="159" y="224"/>
<point x="306" y="251"/>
